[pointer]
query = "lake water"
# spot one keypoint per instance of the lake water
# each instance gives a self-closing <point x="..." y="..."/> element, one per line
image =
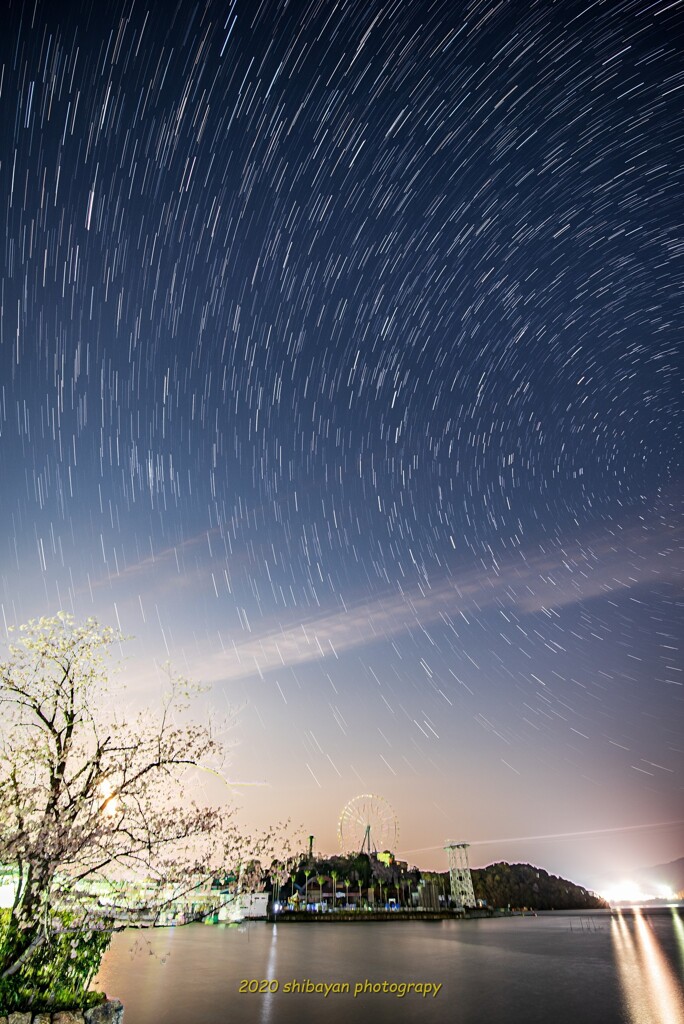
<point x="551" y="969"/>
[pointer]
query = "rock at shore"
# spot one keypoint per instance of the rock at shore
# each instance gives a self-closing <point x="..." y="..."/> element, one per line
<point x="110" y="1012"/>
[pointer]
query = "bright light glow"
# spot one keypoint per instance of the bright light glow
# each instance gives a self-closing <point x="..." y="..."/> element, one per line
<point x="627" y="892"/>
<point x="111" y="803"/>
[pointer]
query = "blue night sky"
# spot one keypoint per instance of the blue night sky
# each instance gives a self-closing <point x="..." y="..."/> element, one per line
<point x="340" y="363"/>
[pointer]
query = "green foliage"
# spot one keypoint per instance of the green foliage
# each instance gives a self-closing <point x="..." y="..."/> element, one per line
<point x="57" y="975"/>
<point x="522" y="885"/>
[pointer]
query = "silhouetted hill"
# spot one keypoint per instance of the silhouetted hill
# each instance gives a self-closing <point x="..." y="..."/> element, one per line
<point x="522" y="885"/>
<point x="671" y="875"/>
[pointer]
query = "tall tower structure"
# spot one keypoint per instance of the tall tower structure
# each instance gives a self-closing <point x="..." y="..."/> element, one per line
<point x="459" y="874"/>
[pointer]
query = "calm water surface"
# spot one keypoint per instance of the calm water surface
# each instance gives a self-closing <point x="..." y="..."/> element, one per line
<point x="551" y="969"/>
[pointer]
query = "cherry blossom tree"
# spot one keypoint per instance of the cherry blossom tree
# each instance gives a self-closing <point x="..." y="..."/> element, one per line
<point x="100" y="816"/>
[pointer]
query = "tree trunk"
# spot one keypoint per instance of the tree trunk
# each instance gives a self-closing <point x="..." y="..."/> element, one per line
<point x="19" y="943"/>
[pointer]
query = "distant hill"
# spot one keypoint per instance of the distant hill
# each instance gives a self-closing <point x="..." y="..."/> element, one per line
<point x="671" y="875"/>
<point x="522" y="885"/>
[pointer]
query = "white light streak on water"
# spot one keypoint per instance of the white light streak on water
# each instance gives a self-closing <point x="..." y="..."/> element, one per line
<point x="649" y="988"/>
<point x="679" y="934"/>
<point x="632" y="982"/>
<point x="272" y="975"/>
<point x="666" y="993"/>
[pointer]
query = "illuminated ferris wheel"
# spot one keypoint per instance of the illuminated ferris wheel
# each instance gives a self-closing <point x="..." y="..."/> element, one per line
<point x="368" y="824"/>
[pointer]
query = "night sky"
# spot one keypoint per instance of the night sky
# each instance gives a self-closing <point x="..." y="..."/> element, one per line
<point x="340" y="363"/>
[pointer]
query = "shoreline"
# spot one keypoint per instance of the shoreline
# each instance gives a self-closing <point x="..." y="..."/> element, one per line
<point x="366" y="916"/>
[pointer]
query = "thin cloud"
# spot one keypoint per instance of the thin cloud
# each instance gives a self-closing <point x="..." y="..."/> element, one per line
<point x="525" y="586"/>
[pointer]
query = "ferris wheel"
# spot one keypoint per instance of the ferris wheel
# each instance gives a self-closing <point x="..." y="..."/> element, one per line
<point x="368" y="824"/>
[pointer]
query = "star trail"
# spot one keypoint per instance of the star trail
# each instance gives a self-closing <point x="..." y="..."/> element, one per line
<point x="341" y="364"/>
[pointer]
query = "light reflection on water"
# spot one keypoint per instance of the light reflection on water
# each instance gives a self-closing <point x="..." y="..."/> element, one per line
<point x="651" y="991"/>
<point x="632" y="981"/>
<point x="557" y="968"/>
<point x="271" y="975"/>
<point x="679" y="935"/>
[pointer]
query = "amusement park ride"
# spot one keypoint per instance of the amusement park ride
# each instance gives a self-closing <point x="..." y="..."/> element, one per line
<point x="368" y="824"/>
